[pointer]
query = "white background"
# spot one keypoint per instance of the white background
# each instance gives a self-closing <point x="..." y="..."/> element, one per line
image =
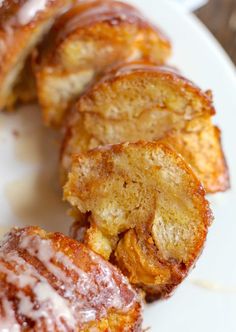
<point x="191" y="4"/>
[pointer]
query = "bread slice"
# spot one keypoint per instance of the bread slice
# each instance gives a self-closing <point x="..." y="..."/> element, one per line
<point x="22" y="25"/>
<point x="49" y="282"/>
<point x="200" y="145"/>
<point x="88" y="39"/>
<point x="146" y="209"/>
<point x="140" y="101"/>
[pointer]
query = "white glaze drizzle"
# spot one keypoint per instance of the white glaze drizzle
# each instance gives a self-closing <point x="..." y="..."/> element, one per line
<point x="73" y="303"/>
<point x="52" y="305"/>
<point x="100" y="11"/>
<point x="108" y="295"/>
<point x="9" y="323"/>
<point x="29" y="10"/>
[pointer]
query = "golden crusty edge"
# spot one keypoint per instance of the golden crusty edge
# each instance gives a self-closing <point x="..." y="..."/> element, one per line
<point x="86" y="41"/>
<point x="22" y="25"/>
<point x="142" y="101"/>
<point x="146" y="209"/>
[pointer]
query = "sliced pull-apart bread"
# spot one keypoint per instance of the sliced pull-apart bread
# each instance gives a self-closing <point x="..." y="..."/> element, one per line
<point x="199" y="143"/>
<point x="22" y="24"/>
<point x="85" y="41"/>
<point x="49" y="282"/>
<point x="141" y="101"/>
<point x="144" y="209"/>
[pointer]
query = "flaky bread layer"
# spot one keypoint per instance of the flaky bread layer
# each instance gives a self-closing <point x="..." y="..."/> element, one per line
<point x="199" y="143"/>
<point x="86" y="41"/>
<point x="125" y="92"/>
<point x="140" y="101"/>
<point x="146" y="209"/>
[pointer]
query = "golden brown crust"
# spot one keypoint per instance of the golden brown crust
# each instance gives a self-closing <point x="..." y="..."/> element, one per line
<point x="83" y="43"/>
<point x="49" y="282"/>
<point x="23" y="22"/>
<point x="194" y="101"/>
<point x="200" y="145"/>
<point x="141" y="101"/>
<point x="145" y="202"/>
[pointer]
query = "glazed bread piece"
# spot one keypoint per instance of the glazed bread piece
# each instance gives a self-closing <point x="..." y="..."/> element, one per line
<point x="146" y="211"/>
<point x="22" y="25"/>
<point x="49" y="282"/>
<point x="88" y="39"/>
<point x="140" y="101"/>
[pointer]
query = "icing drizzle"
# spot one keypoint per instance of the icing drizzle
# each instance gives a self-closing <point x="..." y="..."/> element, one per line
<point x="98" y="11"/>
<point x="29" y="10"/>
<point x="72" y="296"/>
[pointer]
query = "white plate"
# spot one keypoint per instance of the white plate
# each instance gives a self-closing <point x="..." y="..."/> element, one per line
<point x="29" y="193"/>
